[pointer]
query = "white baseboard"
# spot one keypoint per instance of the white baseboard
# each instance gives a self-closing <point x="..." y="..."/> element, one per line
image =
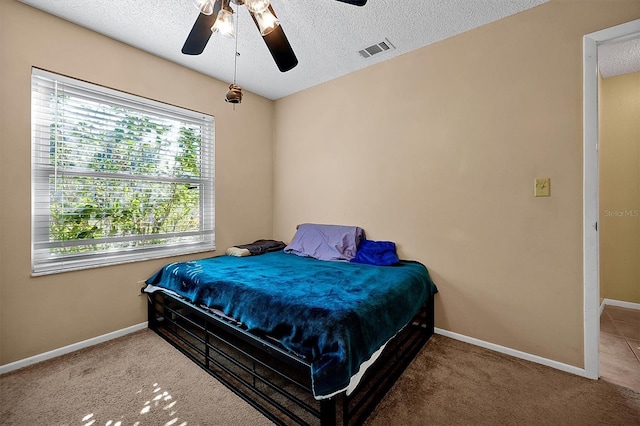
<point x="471" y="340"/>
<point x="619" y="303"/>
<point x="515" y="353"/>
<point x="71" y="348"/>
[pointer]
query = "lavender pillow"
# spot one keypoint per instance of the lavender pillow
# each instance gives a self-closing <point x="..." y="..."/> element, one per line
<point x="326" y="242"/>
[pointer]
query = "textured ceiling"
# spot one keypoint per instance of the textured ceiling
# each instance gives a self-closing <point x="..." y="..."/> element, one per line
<point x="326" y="35"/>
<point x="618" y="58"/>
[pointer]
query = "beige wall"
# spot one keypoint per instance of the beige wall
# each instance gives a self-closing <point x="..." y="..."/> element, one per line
<point x="45" y="313"/>
<point x="438" y="149"/>
<point x="619" y="163"/>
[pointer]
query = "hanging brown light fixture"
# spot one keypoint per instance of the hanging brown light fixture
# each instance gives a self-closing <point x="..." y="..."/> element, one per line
<point x="234" y="95"/>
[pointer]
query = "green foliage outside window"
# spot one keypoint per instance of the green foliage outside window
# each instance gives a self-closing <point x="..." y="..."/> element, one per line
<point x="131" y="178"/>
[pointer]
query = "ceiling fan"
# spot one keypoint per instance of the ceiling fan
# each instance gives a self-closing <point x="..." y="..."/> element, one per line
<point x="217" y="16"/>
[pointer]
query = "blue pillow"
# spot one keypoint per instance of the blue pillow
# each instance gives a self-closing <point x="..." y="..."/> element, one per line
<point x="381" y="253"/>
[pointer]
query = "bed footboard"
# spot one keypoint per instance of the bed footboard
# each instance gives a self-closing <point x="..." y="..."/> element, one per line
<point x="272" y="380"/>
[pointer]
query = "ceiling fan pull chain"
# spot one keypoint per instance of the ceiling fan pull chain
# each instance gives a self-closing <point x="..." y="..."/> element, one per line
<point x="234" y="95"/>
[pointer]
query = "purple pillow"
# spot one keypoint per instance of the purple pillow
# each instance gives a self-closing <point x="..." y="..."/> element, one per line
<point x="326" y="242"/>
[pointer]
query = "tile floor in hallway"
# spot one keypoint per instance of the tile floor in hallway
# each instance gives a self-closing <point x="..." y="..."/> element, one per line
<point x="620" y="346"/>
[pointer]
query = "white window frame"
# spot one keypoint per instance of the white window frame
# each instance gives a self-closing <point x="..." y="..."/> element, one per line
<point x="45" y="251"/>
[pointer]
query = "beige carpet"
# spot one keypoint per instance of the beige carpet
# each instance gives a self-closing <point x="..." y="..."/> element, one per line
<point x="141" y="380"/>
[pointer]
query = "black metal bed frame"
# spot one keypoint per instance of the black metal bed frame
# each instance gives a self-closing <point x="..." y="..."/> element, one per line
<point x="274" y="381"/>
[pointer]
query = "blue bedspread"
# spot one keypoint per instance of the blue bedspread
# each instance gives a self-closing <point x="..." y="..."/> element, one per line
<point x="334" y="314"/>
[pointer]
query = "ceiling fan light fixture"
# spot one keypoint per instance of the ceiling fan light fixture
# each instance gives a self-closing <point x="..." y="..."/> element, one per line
<point x="205" y="6"/>
<point x="256" y="6"/>
<point x="224" y="23"/>
<point x="234" y="95"/>
<point x="267" y="21"/>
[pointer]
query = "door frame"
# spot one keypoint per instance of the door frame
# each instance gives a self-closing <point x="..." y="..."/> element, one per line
<point x="591" y="204"/>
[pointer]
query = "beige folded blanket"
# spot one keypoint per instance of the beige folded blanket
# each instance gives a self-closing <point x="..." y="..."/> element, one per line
<point x="237" y="251"/>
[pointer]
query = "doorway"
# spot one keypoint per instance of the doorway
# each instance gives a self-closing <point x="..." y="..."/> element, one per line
<point x="591" y="205"/>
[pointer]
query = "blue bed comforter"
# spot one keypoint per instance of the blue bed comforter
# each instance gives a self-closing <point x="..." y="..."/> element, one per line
<point x="334" y="314"/>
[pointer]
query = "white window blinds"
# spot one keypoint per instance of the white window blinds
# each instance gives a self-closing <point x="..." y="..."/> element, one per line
<point x="115" y="177"/>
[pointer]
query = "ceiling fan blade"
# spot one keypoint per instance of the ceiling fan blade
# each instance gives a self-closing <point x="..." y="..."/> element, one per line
<point x="355" y="2"/>
<point x="279" y="46"/>
<point x="201" y="32"/>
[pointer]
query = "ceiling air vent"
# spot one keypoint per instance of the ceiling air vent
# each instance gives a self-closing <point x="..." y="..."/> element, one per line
<point x="368" y="52"/>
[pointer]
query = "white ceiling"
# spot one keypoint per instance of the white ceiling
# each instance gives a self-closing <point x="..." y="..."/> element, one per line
<point x="326" y="35"/>
<point x="620" y="57"/>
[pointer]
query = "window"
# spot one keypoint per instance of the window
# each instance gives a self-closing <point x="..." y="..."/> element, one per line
<point x="115" y="177"/>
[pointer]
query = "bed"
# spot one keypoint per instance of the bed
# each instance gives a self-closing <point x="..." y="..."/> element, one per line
<point x="302" y="340"/>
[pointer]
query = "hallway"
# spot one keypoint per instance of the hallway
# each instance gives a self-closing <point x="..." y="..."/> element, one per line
<point x="620" y="346"/>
